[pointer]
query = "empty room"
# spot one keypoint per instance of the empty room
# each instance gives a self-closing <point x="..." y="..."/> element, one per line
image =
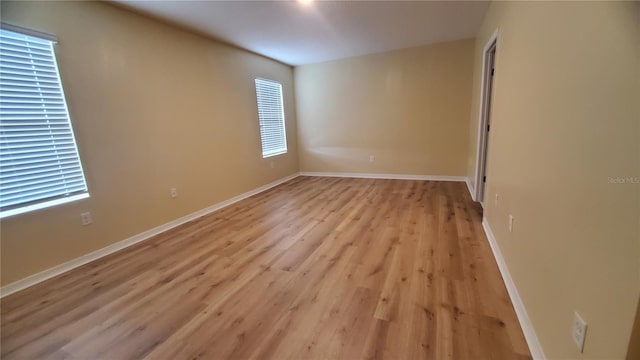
<point x="319" y="180"/>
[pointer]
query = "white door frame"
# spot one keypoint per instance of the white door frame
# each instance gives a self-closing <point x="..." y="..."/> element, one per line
<point x="482" y="116"/>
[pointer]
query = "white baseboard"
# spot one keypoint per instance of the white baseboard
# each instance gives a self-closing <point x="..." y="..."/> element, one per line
<point x="521" y="312"/>
<point x="385" y="176"/>
<point x="469" y="187"/>
<point x="84" y="259"/>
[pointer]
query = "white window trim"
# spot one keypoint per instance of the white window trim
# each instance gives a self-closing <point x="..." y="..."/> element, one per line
<point x="275" y="154"/>
<point x="30" y="32"/>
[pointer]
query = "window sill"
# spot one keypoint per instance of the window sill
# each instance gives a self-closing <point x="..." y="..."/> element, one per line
<point x="43" y="205"/>
<point x="274" y="154"/>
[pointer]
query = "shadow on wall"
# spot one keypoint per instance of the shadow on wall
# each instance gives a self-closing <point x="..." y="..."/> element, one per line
<point x="341" y="159"/>
<point x="363" y="159"/>
<point x="634" y="342"/>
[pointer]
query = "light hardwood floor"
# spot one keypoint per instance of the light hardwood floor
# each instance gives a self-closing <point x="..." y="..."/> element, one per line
<point x="317" y="268"/>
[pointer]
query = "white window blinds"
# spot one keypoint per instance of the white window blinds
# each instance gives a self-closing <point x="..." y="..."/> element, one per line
<point x="271" y="115"/>
<point x="39" y="162"/>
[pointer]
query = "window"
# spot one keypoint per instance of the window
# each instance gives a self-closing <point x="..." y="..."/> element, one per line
<point x="39" y="162"/>
<point x="271" y="115"/>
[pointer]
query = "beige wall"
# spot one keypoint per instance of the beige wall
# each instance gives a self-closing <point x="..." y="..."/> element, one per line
<point x="408" y="108"/>
<point x="153" y="107"/>
<point x="566" y="117"/>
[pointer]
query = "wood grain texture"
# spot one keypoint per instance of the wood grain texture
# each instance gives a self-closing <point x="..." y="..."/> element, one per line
<point x="317" y="268"/>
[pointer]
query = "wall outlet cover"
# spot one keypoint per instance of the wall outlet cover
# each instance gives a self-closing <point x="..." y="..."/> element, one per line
<point x="579" y="331"/>
<point x="85" y="218"/>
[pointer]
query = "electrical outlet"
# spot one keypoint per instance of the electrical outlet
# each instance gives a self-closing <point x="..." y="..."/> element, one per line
<point x="496" y="201"/>
<point x="510" y="223"/>
<point x="372" y="158"/>
<point x="579" y="331"/>
<point x="173" y="192"/>
<point x="85" y="218"/>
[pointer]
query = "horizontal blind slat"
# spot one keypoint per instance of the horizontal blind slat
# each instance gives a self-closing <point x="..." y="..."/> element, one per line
<point x="10" y="64"/>
<point x="24" y="48"/>
<point x="29" y="92"/>
<point x="28" y="162"/>
<point x="35" y="134"/>
<point x="41" y="144"/>
<point x="14" y="37"/>
<point x="26" y="57"/>
<point x="35" y="179"/>
<point x="33" y="64"/>
<point x="28" y="74"/>
<point x="42" y="106"/>
<point x="38" y="151"/>
<point x="12" y="172"/>
<point x="33" y="80"/>
<point x="41" y="195"/>
<point x="10" y="84"/>
<point x="20" y="120"/>
<point x="30" y="187"/>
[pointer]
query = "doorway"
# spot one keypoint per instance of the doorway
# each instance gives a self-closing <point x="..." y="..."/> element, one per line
<point x="484" y="128"/>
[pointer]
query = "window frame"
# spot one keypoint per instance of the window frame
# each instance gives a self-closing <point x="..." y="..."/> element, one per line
<point x="260" y="122"/>
<point x="47" y="202"/>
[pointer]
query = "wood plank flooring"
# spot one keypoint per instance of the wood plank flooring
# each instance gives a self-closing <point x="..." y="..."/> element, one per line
<point x="317" y="268"/>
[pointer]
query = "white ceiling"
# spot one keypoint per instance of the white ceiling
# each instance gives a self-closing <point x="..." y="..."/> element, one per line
<point x="298" y="34"/>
